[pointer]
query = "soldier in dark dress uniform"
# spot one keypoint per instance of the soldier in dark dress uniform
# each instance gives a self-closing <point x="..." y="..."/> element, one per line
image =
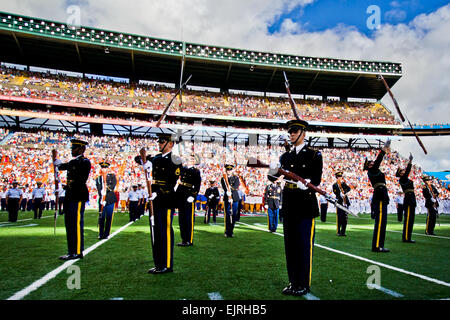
<point x="340" y="189"/>
<point x="409" y="201"/>
<point x="272" y="197"/>
<point x="230" y="199"/>
<point x="77" y="194"/>
<point x="166" y="169"/>
<point x="213" y="196"/>
<point x="431" y="194"/>
<point x="380" y="199"/>
<point x="186" y="193"/>
<point x="106" y="217"/>
<point x="300" y="207"/>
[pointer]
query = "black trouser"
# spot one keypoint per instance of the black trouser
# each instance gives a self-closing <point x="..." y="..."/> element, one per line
<point x="299" y="236"/>
<point x="431" y="220"/>
<point x="186" y="219"/>
<point x="13" y="209"/>
<point x="162" y="237"/>
<point x="23" y="204"/>
<point x="61" y="205"/>
<point x="229" y="218"/>
<point x="341" y="221"/>
<point x="74" y="223"/>
<point x="52" y="204"/>
<point x="239" y="208"/>
<point x="3" y="204"/>
<point x="400" y="210"/>
<point x="379" y="231"/>
<point x="408" y="222"/>
<point x="323" y="212"/>
<point x="105" y="221"/>
<point x="29" y="205"/>
<point x="37" y="208"/>
<point x="133" y="209"/>
<point x="211" y="207"/>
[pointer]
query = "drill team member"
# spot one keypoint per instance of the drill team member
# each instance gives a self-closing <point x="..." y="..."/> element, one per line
<point x="77" y="194"/>
<point x="272" y="197"/>
<point x="213" y="196"/>
<point x="409" y="201"/>
<point x="166" y="169"/>
<point x="186" y="193"/>
<point x="380" y="199"/>
<point x="12" y="200"/>
<point x="108" y="202"/>
<point x="300" y="207"/>
<point x="323" y="208"/>
<point x="399" y="201"/>
<point x="340" y="189"/>
<point x="230" y="185"/>
<point x="431" y="194"/>
<point x="38" y="198"/>
<point x="61" y="197"/>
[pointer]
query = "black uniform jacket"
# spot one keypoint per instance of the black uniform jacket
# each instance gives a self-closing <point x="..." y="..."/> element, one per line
<point x="339" y="195"/>
<point x="273" y="196"/>
<point x="408" y="188"/>
<point x="308" y="165"/>
<point x="216" y="195"/>
<point x="78" y="170"/>
<point x="190" y="181"/>
<point x="111" y="182"/>
<point x="427" y="195"/>
<point x="234" y="185"/>
<point x="378" y="180"/>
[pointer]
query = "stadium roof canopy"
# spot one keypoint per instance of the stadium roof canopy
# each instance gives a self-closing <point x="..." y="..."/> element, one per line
<point x="50" y="44"/>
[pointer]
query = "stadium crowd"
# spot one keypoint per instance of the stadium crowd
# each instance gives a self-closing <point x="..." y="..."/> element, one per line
<point x="26" y="158"/>
<point x="60" y="87"/>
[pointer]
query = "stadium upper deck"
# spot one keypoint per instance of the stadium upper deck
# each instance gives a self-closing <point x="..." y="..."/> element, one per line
<point x="51" y="44"/>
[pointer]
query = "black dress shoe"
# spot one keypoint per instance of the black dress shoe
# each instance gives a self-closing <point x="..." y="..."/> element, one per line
<point x="380" y="250"/>
<point x="159" y="270"/>
<point x="183" y="244"/>
<point x="71" y="257"/>
<point x="228" y="236"/>
<point x="299" y="291"/>
<point x="409" y="241"/>
<point x="287" y="290"/>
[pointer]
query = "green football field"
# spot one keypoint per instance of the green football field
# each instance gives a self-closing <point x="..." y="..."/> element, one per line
<point x="250" y="266"/>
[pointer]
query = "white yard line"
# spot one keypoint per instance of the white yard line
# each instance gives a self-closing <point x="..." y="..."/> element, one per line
<point x="440" y="282"/>
<point x="38" y="283"/>
<point x="387" y="291"/>
<point x="9" y="223"/>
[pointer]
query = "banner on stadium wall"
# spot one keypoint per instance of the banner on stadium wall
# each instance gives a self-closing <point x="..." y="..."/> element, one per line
<point x="444" y="176"/>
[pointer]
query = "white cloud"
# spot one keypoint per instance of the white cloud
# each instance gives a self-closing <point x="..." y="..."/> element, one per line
<point x="422" y="45"/>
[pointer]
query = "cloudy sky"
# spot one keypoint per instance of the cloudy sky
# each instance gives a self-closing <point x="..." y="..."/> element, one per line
<point x="415" y="33"/>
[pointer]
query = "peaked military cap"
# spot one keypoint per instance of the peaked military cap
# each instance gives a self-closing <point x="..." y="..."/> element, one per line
<point x="338" y="174"/>
<point x="212" y="182"/>
<point x="165" y="137"/>
<point x="296" y="124"/>
<point x="39" y="183"/>
<point x="426" y="178"/>
<point x="77" y="143"/>
<point x="229" y="166"/>
<point x="104" y="164"/>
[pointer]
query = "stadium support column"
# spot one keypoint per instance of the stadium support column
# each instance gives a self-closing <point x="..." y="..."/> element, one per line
<point x="330" y="142"/>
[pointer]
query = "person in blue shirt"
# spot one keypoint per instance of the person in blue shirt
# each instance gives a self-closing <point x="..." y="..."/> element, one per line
<point x="13" y="199"/>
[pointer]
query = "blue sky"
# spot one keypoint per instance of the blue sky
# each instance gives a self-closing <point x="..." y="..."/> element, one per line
<point x="325" y="14"/>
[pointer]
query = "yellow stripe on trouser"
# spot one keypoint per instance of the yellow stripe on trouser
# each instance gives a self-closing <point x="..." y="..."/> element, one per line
<point x="168" y="238"/>
<point x="192" y="223"/>
<point x="268" y="220"/>
<point x="407" y="224"/>
<point x="311" y="251"/>
<point x="79" y="228"/>
<point x="379" y="224"/>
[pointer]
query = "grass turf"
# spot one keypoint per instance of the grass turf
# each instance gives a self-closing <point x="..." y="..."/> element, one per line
<point x="250" y="266"/>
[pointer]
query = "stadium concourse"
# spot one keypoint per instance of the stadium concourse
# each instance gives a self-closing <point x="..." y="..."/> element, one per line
<point x="26" y="158"/>
<point x="63" y="88"/>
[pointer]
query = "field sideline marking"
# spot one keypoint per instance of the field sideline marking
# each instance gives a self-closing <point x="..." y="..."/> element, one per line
<point x="443" y="283"/>
<point x="215" y="296"/>
<point x="7" y="222"/>
<point x="38" y="283"/>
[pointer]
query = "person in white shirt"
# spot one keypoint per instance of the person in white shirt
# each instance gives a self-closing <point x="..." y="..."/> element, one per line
<point x="123" y="196"/>
<point x="13" y="198"/>
<point x="61" y="197"/>
<point x="38" y="198"/>
<point x="132" y="203"/>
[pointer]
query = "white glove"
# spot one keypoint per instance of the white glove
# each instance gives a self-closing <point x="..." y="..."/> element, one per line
<point x="303" y="186"/>
<point x="153" y="196"/>
<point x="103" y="203"/>
<point x="190" y="199"/>
<point x="148" y="166"/>
<point x="211" y="196"/>
<point x="266" y="206"/>
<point x="280" y="206"/>
<point x="433" y="200"/>
<point x="274" y="165"/>
<point x="152" y="220"/>
<point x="57" y="163"/>
<point x="229" y="194"/>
